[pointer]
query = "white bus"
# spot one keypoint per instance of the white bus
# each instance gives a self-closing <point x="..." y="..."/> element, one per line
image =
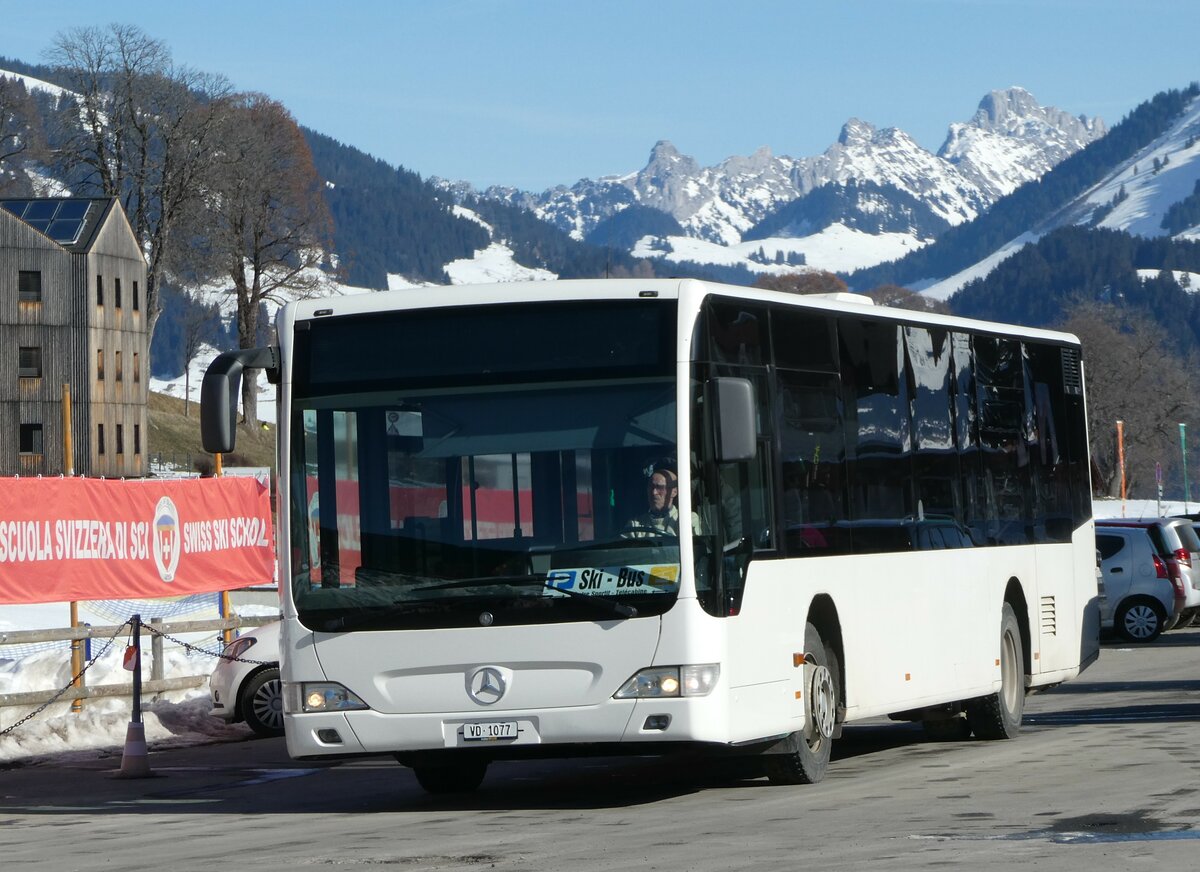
<point x="874" y="512"/>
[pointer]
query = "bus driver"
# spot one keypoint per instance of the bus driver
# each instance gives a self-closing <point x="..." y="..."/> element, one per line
<point x="662" y="517"/>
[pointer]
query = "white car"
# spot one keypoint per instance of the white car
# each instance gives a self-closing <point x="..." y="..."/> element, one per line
<point x="248" y="688"/>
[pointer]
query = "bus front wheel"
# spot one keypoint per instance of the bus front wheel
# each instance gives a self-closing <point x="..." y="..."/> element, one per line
<point x="807" y="752"/>
<point x="999" y="716"/>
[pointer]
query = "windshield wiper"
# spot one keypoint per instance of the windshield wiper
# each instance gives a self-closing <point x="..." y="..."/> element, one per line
<point x="538" y="580"/>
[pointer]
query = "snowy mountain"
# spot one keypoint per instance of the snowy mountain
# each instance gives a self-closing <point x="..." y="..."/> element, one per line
<point x="1011" y="139"/>
<point x="1152" y="191"/>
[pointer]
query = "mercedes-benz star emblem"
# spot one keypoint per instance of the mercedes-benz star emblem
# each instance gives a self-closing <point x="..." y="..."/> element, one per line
<point x="487" y="685"/>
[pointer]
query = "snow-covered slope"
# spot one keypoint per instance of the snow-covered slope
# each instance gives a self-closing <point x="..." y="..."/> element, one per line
<point x="1135" y="197"/>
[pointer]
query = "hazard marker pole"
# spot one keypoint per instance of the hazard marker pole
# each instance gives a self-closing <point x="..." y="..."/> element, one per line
<point x="134" y="761"/>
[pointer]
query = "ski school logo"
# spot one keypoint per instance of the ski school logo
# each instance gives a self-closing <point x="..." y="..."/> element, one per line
<point x="167" y="540"/>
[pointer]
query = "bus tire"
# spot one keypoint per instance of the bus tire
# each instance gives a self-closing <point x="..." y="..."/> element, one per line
<point x="461" y="777"/>
<point x="807" y="751"/>
<point x="999" y="716"/>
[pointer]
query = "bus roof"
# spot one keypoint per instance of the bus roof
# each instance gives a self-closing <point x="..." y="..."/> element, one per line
<point x="690" y="291"/>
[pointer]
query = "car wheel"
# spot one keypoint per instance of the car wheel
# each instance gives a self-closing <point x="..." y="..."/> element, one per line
<point x="1140" y="620"/>
<point x="999" y="716"/>
<point x="262" y="702"/>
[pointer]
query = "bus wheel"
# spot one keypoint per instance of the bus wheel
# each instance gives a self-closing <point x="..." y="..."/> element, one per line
<point x="462" y="777"/>
<point x="807" y="756"/>
<point x="999" y="716"/>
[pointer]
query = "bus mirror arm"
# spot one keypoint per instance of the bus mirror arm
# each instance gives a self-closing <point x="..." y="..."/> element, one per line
<point x="219" y="394"/>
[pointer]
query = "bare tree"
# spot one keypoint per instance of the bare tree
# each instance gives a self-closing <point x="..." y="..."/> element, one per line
<point x="266" y="226"/>
<point x="816" y="282"/>
<point x="140" y="129"/>
<point x="898" y="297"/>
<point x="21" y="137"/>
<point x="1135" y="377"/>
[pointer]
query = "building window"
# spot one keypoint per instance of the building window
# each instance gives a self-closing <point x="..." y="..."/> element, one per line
<point x="135" y="296"/>
<point x="120" y="439"/>
<point x="137" y="371"/>
<point x="117" y="361"/>
<point x="137" y="438"/>
<point x="100" y="364"/>
<point x="117" y="293"/>
<point x="99" y="290"/>
<point x="31" y="439"/>
<point x="29" y="286"/>
<point x="100" y="438"/>
<point x="29" y="362"/>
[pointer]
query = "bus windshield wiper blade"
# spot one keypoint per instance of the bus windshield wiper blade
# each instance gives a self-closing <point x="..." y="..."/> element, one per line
<point x="534" y="580"/>
<point x="485" y="581"/>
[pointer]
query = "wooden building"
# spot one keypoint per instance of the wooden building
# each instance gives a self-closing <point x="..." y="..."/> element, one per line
<point x="72" y="313"/>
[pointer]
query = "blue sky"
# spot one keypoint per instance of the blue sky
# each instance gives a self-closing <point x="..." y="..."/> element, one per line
<point x="546" y="92"/>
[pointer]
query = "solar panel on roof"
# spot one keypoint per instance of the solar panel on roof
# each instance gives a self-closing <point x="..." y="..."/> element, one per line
<point x="71" y="209"/>
<point x="65" y="232"/>
<point x="41" y="210"/>
<point x="17" y="207"/>
<point x="38" y="225"/>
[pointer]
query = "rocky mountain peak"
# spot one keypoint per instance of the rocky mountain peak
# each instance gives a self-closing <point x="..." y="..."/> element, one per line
<point x="1016" y="112"/>
<point x="856" y="132"/>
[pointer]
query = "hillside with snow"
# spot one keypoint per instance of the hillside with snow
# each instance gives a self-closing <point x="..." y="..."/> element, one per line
<point x="1133" y="196"/>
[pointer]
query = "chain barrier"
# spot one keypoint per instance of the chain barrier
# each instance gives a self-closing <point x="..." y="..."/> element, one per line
<point x="222" y="656"/>
<point x="70" y="686"/>
<point x="108" y="644"/>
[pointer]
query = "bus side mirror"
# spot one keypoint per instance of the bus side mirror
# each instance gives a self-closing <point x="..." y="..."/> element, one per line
<point x="219" y="394"/>
<point x="735" y="419"/>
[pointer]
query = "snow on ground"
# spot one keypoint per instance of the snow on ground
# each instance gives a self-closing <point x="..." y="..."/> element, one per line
<point x="837" y="248"/>
<point x="946" y="288"/>
<point x="171" y="719"/>
<point x="32" y="84"/>
<point x="495" y="263"/>
<point x="1189" y="281"/>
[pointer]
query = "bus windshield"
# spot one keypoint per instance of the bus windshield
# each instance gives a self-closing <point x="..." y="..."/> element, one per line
<point x="483" y="466"/>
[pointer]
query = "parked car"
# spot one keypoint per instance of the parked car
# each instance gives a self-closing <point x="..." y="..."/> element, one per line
<point x="1140" y="595"/>
<point x="248" y="688"/>
<point x="1176" y="541"/>
<point x="1195" y="619"/>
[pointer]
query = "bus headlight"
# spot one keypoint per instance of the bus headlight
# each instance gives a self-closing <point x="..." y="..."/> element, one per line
<point x="321" y="696"/>
<point x="671" y="681"/>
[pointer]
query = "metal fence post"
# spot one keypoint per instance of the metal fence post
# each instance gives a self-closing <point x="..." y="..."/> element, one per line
<point x="156" y="649"/>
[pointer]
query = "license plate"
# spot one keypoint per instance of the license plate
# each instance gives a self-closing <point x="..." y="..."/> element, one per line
<point x="489" y="731"/>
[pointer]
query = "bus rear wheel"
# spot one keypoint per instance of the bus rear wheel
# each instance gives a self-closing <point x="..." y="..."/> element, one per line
<point x="460" y="777"/>
<point x="999" y="716"/>
<point x="808" y="752"/>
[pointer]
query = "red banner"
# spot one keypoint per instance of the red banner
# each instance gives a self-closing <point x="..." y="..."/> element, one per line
<point x="91" y="539"/>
